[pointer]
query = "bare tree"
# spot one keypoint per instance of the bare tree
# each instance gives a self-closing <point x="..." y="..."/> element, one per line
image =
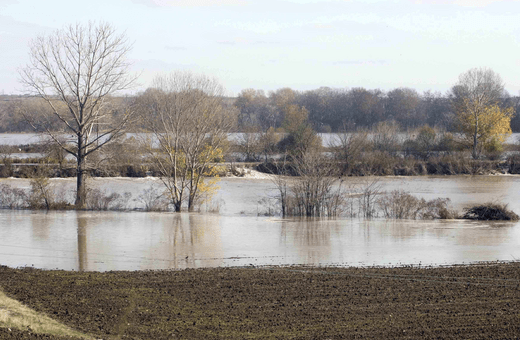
<point x="317" y="190"/>
<point x="189" y="125"/>
<point x="75" y="71"/>
<point x="314" y="190"/>
<point x="348" y="147"/>
<point x="367" y="199"/>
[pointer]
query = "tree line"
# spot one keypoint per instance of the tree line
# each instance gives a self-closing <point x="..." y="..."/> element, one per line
<point x="328" y="109"/>
<point x="337" y="110"/>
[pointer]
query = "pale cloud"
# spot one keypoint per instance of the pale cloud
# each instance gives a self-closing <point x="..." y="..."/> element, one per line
<point x="227" y="42"/>
<point x="474" y="3"/>
<point x="243" y="41"/>
<point x="323" y="26"/>
<point x="175" y="48"/>
<point x="190" y="3"/>
<point x="261" y="27"/>
<point x="462" y="3"/>
<point x="360" y="62"/>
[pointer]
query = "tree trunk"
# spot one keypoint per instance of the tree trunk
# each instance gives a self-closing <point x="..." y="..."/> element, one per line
<point x="191" y="203"/>
<point x="81" y="192"/>
<point x="475" y="147"/>
<point x="475" y="152"/>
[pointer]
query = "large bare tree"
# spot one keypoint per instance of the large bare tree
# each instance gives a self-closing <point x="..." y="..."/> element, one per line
<point x="75" y="70"/>
<point x="189" y="123"/>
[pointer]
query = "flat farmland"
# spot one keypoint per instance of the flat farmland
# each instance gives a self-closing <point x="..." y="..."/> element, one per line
<point x="478" y="301"/>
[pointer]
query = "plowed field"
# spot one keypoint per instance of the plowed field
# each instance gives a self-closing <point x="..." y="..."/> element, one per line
<point x="460" y="302"/>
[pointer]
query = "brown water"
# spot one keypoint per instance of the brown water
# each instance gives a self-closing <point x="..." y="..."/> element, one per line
<point x="238" y="237"/>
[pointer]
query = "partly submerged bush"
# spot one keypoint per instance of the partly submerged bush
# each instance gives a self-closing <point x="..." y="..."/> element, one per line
<point x="489" y="212"/>
<point x="43" y="196"/>
<point x="12" y="198"/>
<point x="399" y="204"/>
<point x="101" y="200"/>
<point x="154" y="199"/>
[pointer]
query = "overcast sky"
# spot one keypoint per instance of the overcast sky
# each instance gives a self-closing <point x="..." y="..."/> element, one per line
<point x="302" y="44"/>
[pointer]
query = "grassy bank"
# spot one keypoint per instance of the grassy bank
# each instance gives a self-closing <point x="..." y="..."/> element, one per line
<point x="477" y="301"/>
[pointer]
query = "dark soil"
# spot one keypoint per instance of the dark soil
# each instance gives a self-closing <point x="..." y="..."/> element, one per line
<point x="461" y="302"/>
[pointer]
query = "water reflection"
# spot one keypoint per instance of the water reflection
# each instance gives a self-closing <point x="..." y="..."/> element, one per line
<point x="130" y="241"/>
<point x="187" y="240"/>
<point x="310" y="239"/>
<point x="82" y="241"/>
<point x="134" y="240"/>
<point x="41" y="225"/>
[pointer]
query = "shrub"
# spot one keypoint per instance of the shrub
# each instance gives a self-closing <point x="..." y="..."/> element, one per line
<point x="347" y="148"/>
<point x="447" y="144"/>
<point x="12" y="198"/>
<point x="490" y="211"/>
<point x="514" y="164"/>
<point x="153" y="200"/>
<point x="494" y="149"/>
<point x="423" y="145"/>
<point x="386" y="137"/>
<point x="42" y="194"/>
<point x="399" y="204"/>
<point x="101" y="200"/>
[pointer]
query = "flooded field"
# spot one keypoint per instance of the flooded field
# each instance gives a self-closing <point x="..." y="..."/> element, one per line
<point x="31" y="138"/>
<point x="237" y="236"/>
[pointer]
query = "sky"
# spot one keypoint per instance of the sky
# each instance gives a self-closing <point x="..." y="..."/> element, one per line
<point x="301" y="44"/>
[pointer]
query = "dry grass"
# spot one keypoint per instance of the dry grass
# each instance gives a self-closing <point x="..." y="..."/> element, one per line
<point x="17" y="316"/>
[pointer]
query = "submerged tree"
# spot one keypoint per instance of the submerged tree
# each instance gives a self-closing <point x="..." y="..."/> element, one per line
<point x="75" y="71"/>
<point x="314" y="190"/>
<point x="189" y="125"/>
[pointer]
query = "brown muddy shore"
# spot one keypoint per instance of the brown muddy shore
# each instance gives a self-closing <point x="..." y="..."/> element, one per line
<point x="480" y="301"/>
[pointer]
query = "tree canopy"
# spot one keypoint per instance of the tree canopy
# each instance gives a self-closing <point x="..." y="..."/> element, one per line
<point x="482" y="122"/>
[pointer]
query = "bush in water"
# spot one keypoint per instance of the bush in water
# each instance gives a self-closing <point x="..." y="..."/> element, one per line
<point x="400" y="204"/>
<point x="101" y="200"/>
<point x="12" y="198"/>
<point x="490" y="211"/>
<point x="154" y="200"/>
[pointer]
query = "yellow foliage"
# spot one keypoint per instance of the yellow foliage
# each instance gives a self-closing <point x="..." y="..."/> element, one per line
<point x="207" y="189"/>
<point x="484" y="125"/>
<point x="210" y="154"/>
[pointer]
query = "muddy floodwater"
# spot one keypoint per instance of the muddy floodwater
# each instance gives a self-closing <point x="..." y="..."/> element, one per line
<point x="237" y="236"/>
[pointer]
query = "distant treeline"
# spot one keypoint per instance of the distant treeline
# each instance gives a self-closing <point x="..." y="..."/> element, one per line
<point x="333" y="110"/>
<point x="329" y="110"/>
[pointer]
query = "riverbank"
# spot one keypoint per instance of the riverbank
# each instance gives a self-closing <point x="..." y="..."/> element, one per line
<point x="473" y="301"/>
<point x="371" y="166"/>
